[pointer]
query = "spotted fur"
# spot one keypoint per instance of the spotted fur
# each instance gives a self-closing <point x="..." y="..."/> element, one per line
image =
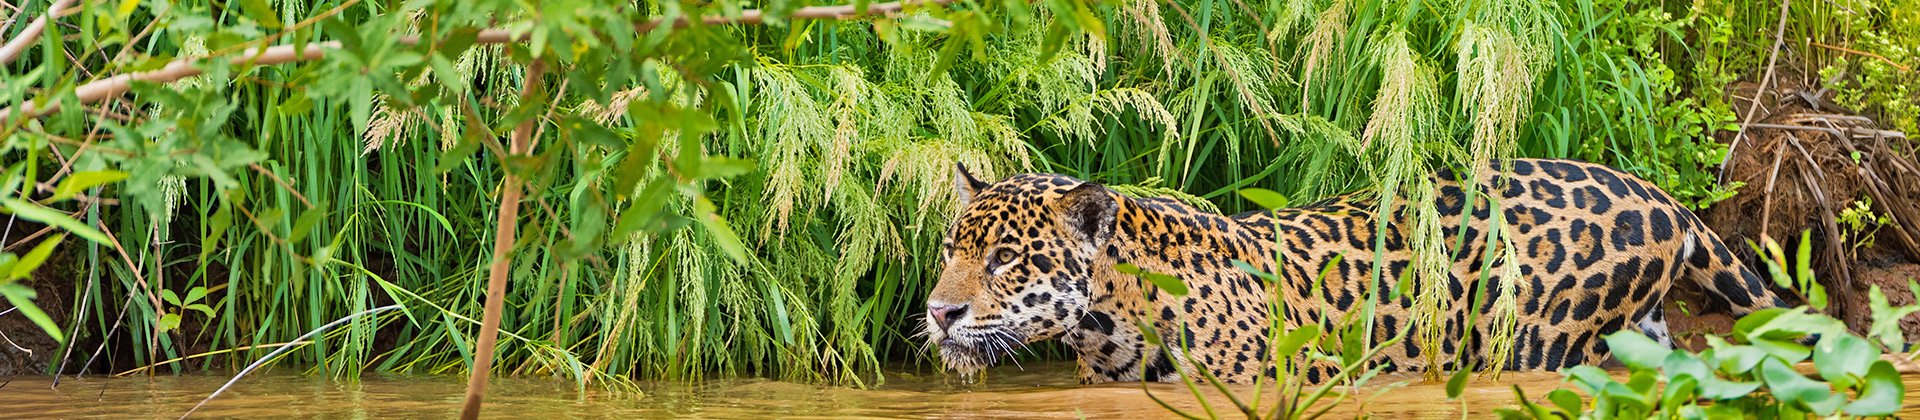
<point x="1032" y="258"/>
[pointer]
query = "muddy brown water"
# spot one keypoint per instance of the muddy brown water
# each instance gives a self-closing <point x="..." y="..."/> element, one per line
<point x="1044" y="391"/>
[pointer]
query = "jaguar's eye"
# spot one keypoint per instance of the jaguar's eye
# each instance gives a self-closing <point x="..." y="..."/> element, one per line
<point x="1002" y="257"/>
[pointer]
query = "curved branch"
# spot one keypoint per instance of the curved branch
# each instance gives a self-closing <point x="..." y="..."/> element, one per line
<point x="12" y="48"/>
<point x="102" y="89"/>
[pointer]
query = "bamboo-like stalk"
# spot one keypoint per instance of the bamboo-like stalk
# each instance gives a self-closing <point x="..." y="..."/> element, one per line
<point x="116" y="85"/>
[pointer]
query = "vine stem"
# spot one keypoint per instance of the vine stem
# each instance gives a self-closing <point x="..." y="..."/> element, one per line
<point x="116" y="85"/>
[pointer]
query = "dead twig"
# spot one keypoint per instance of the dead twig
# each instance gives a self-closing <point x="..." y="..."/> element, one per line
<point x="1779" y="39"/>
<point x="1882" y="58"/>
<point x="11" y="49"/>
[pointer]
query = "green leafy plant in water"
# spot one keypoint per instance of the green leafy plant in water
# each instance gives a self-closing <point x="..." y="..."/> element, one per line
<point x="1749" y="373"/>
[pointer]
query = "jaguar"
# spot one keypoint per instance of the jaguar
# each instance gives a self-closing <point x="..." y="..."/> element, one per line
<point x="1039" y="257"/>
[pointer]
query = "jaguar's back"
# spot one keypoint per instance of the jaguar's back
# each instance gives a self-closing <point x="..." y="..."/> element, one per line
<point x="1593" y="251"/>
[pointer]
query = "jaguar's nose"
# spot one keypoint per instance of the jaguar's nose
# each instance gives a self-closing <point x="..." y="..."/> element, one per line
<point x="944" y="315"/>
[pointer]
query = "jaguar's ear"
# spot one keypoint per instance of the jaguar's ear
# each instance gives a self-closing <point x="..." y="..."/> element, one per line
<point x="965" y="186"/>
<point x="1090" y="211"/>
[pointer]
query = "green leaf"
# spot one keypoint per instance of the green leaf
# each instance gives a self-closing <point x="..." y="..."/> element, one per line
<point x="1256" y="271"/>
<point x="24" y="266"/>
<point x="1294" y="340"/>
<point x="169" y="322"/>
<point x="1589" y="378"/>
<point x="1263" y="197"/>
<point x="1170" y="284"/>
<point x="169" y="297"/>
<point x="718" y="230"/>
<point x="47" y="216"/>
<point x="1787" y="384"/>
<point x="1841" y="358"/>
<point x="1636" y="350"/>
<point x="1738" y="359"/>
<point x="1882" y="394"/>
<point x="194" y="294"/>
<point x="203" y="308"/>
<point x="262" y="13"/>
<point x="80" y="181"/>
<point x="303" y="226"/>
<point x="1567" y="400"/>
<point x="21" y="297"/>
<point x="1457" y="383"/>
<point x="1747" y="324"/>
<point x="1886" y="317"/>
<point x="782" y="323"/>
<point x="1679" y="392"/>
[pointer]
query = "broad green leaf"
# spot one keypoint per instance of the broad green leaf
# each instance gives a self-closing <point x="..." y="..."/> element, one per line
<point x="1679" y="392"/>
<point x="1882" y="394"/>
<point x="1294" y="340"/>
<point x="1738" y="359"/>
<point x="203" y="308"/>
<point x="1457" y="383"/>
<point x="1787" y="384"/>
<point x="169" y="297"/>
<point x="80" y="181"/>
<point x="1840" y="358"/>
<point x="1636" y="350"/>
<point x="169" y="322"/>
<point x="21" y="297"/>
<point x="47" y="216"/>
<point x="1886" y="317"/>
<point x="194" y="294"/>
<point x="32" y="260"/>
<point x="1747" y="324"/>
<point x="1265" y="198"/>
<point x="1589" y="378"/>
<point x="1566" y="400"/>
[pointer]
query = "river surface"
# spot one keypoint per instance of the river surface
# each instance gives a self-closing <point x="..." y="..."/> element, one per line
<point x="1043" y="391"/>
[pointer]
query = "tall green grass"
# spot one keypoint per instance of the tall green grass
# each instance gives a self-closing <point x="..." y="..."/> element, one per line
<point x="852" y="130"/>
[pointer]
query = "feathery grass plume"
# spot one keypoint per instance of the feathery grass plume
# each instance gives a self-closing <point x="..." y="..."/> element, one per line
<point x="1149" y="34"/>
<point x="1506" y="307"/>
<point x="615" y="107"/>
<point x="1406" y="109"/>
<point x="1323" y="150"/>
<point x="1151" y="188"/>
<point x="791" y="126"/>
<point x="1077" y="120"/>
<point x="389" y="124"/>
<point x="1496" y="83"/>
<point x="1003" y="140"/>
<point x="1321" y="43"/>
<point x="925" y="168"/>
<point x="1287" y="17"/>
<point x="1047" y="86"/>
<point x="1253" y="73"/>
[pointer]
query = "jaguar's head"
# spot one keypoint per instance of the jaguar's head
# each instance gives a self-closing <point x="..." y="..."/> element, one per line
<point x="1018" y="260"/>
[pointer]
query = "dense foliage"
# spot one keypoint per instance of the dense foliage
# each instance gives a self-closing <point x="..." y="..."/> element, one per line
<point x="768" y="199"/>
